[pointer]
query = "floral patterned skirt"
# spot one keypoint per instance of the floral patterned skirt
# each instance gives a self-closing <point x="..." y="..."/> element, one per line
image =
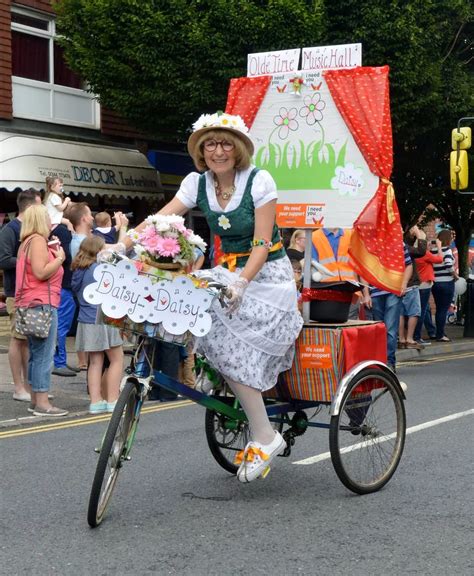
<point x="257" y="343"/>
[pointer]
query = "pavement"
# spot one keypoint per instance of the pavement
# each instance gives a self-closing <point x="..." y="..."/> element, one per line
<point x="71" y="392"/>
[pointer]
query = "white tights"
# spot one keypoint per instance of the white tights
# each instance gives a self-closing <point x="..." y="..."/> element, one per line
<point x="252" y="403"/>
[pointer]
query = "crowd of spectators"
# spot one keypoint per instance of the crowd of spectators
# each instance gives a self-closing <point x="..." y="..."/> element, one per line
<point x="429" y="277"/>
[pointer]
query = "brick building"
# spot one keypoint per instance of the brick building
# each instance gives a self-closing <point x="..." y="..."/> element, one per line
<point x="51" y="126"/>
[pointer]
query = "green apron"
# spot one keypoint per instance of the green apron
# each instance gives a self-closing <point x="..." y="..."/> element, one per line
<point x="236" y="227"/>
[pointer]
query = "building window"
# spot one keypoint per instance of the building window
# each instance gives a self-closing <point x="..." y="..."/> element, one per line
<point x="63" y="75"/>
<point x="30" y="56"/>
<point x="44" y="87"/>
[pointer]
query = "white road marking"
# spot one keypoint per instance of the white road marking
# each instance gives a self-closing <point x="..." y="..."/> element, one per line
<point x="417" y="428"/>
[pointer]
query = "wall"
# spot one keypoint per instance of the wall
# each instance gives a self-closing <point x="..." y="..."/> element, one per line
<point x="5" y="61"/>
<point x="111" y="123"/>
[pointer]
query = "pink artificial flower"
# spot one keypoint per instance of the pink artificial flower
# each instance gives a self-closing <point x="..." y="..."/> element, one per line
<point x="187" y="233"/>
<point x="152" y="245"/>
<point x="148" y="232"/>
<point x="179" y="227"/>
<point x="168" y="247"/>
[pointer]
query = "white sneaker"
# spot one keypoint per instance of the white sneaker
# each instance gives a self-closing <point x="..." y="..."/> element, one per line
<point x="255" y="459"/>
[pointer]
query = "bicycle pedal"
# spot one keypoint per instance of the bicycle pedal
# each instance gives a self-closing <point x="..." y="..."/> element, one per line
<point x="265" y="473"/>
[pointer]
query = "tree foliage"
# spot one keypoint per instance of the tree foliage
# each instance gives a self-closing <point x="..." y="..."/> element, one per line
<point x="429" y="47"/>
<point x="161" y="63"/>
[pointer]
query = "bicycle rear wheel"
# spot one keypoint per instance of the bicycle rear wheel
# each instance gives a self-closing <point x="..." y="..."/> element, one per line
<point x="114" y="449"/>
<point x="367" y="437"/>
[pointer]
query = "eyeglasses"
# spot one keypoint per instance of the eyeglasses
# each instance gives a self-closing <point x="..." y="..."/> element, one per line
<point x="211" y="145"/>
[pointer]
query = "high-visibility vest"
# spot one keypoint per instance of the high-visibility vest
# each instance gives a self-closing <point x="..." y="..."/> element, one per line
<point x="339" y="265"/>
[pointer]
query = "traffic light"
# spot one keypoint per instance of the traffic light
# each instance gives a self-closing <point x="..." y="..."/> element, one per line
<point x="459" y="170"/>
<point x="461" y="140"/>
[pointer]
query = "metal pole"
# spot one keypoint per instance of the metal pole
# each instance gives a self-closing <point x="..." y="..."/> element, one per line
<point x="307" y="270"/>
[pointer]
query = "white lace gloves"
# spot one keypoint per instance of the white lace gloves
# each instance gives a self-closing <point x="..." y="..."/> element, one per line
<point x="235" y="294"/>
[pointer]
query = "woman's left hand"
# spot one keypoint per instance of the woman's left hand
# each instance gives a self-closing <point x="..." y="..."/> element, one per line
<point x="59" y="253"/>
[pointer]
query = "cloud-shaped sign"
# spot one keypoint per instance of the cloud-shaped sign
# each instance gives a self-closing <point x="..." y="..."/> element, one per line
<point x="178" y="304"/>
<point x="348" y="180"/>
<point x="121" y="291"/>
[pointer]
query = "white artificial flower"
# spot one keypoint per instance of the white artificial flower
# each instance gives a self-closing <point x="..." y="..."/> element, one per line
<point x="133" y="235"/>
<point x="220" y="121"/>
<point x="224" y="222"/>
<point x="196" y="240"/>
<point x="204" y="121"/>
<point x="162" y="226"/>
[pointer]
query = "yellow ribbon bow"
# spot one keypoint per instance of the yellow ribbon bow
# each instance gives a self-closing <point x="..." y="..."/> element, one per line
<point x="231" y="257"/>
<point x="249" y="454"/>
<point x="390" y="200"/>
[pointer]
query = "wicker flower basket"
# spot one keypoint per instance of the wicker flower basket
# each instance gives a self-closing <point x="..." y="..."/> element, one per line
<point x="162" y="265"/>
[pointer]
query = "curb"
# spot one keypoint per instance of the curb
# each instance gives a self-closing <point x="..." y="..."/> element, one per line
<point x="23" y="421"/>
<point x="436" y="350"/>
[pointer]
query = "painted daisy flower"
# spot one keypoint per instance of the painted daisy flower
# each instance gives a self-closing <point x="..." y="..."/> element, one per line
<point x="286" y="121"/>
<point x="223" y="222"/>
<point x="312" y="110"/>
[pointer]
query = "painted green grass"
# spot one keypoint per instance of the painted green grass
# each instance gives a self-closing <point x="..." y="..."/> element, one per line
<point x="313" y="171"/>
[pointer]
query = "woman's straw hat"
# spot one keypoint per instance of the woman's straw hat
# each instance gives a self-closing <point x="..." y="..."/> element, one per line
<point x="221" y="121"/>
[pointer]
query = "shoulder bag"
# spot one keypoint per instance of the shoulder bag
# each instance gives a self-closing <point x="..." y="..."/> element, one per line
<point x="33" y="320"/>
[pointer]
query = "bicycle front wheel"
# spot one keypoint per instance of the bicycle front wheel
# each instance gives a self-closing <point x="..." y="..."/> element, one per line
<point x="226" y="436"/>
<point x="367" y="437"/>
<point x="113" y="451"/>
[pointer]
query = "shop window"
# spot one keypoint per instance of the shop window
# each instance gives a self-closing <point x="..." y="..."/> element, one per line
<point x="44" y="87"/>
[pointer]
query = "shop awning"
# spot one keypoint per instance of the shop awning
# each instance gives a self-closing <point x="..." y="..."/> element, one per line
<point x="26" y="161"/>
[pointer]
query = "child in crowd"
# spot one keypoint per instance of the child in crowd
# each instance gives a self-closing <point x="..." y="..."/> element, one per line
<point x="298" y="274"/>
<point x="96" y="339"/>
<point x="56" y="203"/>
<point x="104" y="228"/>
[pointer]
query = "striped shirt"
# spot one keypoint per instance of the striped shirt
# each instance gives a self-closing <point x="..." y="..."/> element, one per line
<point x="374" y="291"/>
<point x="444" y="272"/>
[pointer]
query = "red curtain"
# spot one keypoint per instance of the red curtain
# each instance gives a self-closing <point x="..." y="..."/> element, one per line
<point x="245" y="97"/>
<point x="362" y="98"/>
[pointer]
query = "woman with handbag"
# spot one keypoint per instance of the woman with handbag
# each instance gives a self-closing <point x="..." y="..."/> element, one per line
<point x="38" y="292"/>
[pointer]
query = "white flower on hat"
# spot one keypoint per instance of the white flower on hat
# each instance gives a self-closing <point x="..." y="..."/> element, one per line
<point x="220" y="120"/>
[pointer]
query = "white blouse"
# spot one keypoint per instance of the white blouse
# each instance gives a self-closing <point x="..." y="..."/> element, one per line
<point x="263" y="190"/>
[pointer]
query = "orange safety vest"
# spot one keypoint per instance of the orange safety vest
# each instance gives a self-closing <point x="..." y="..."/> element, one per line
<point x="339" y="265"/>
